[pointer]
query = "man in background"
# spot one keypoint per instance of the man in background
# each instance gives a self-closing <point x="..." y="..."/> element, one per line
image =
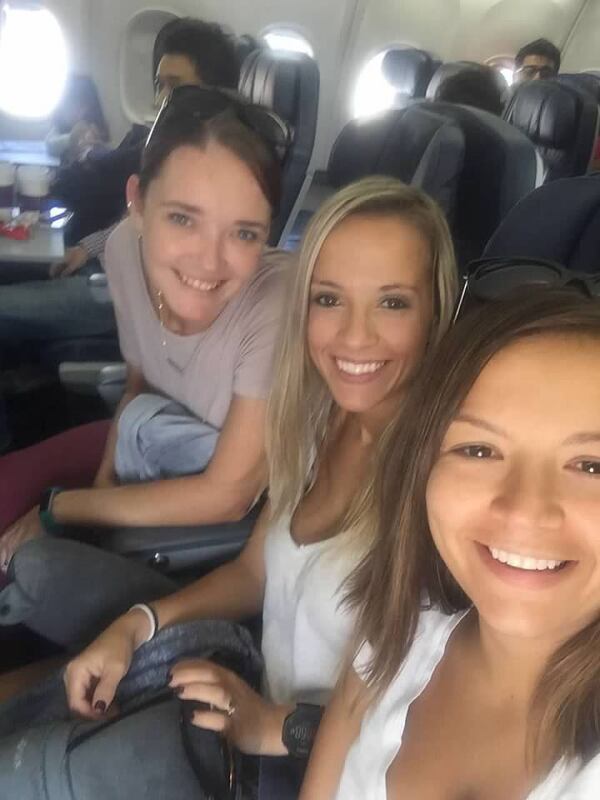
<point x="537" y="60"/>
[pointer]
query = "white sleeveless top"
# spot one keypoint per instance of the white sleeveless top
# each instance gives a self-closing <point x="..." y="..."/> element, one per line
<point x="380" y="738"/>
<point x="305" y="631"/>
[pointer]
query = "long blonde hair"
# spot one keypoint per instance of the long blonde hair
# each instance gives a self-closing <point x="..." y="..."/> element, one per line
<point x="403" y="564"/>
<point x="300" y="403"/>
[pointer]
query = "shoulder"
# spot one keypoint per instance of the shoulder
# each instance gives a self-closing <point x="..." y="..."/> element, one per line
<point x="122" y="244"/>
<point x="262" y="299"/>
<point x="271" y="274"/>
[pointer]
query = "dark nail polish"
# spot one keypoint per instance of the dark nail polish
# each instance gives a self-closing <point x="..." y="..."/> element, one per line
<point x="100" y="706"/>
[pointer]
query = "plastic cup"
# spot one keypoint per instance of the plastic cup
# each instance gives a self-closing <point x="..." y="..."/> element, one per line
<point x="7" y="184"/>
<point x="33" y="186"/>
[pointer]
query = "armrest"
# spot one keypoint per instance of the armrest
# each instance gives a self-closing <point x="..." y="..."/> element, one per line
<point x="95" y="378"/>
<point x="98" y="284"/>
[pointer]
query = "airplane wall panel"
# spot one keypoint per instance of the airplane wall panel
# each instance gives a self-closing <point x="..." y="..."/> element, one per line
<point x="582" y="51"/>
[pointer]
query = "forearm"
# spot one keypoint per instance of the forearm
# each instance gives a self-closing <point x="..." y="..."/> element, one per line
<point x="193" y="500"/>
<point x="231" y="592"/>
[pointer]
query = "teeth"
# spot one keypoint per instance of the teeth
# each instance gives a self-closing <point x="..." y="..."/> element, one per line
<point x="524" y="562"/>
<point x="355" y="368"/>
<point x="195" y="283"/>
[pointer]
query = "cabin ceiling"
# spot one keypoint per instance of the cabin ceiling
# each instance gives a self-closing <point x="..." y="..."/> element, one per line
<point x="344" y="34"/>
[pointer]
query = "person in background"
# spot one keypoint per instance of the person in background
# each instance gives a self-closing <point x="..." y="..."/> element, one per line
<point x="537" y="60"/>
<point x="78" y="124"/>
<point x="477" y="667"/>
<point x="478" y="85"/>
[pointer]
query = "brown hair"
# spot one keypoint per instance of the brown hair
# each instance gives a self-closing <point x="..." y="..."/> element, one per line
<point x="403" y="565"/>
<point x="180" y="129"/>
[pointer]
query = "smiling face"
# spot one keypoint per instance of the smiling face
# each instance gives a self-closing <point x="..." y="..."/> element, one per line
<point x="204" y="221"/>
<point x="514" y="498"/>
<point x="370" y="311"/>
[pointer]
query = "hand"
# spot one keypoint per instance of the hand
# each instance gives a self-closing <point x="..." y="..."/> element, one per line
<point x="74" y="259"/>
<point x="250" y="722"/>
<point x="28" y="527"/>
<point x="92" y="678"/>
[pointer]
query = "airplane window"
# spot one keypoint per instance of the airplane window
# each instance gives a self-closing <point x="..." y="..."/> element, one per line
<point x="287" y="39"/>
<point x="33" y="61"/>
<point x="373" y="92"/>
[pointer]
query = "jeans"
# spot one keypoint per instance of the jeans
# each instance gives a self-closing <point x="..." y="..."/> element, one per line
<point x="63" y="308"/>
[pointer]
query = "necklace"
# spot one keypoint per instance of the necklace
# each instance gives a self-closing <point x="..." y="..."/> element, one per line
<point x="180" y="368"/>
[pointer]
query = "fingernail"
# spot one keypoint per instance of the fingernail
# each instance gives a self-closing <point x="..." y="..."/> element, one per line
<point x="100" y="706"/>
<point x="179" y="690"/>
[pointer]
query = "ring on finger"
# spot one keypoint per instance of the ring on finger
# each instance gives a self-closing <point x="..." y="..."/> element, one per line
<point x="230" y="710"/>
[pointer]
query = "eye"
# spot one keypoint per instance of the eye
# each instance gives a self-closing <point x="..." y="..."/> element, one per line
<point x="480" y="451"/>
<point x="588" y="466"/>
<point x="247" y="235"/>
<point x="181" y="220"/>
<point x="326" y="300"/>
<point x="395" y="303"/>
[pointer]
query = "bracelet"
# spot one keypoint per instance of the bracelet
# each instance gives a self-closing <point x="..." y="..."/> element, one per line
<point x="153" y="619"/>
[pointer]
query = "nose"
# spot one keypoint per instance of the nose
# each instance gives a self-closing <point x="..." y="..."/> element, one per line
<point x="210" y="251"/>
<point x="528" y="499"/>
<point x="357" y="328"/>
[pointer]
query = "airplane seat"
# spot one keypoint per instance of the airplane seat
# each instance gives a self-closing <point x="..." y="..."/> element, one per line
<point x="501" y="167"/>
<point x="588" y="81"/>
<point x="559" y="222"/>
<point x="562" y="122"/>
<point x="409" y="71"/>
<point x="413" y="144"/>
<point x="452" y="68"/>
<point x="288" y="83"/>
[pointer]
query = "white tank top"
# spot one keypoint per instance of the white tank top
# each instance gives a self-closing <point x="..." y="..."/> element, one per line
<point x="305" y="632"/>
<point x="380" y="738"/>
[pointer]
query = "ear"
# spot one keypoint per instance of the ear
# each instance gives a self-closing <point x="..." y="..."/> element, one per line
<point x="135" y="201"/>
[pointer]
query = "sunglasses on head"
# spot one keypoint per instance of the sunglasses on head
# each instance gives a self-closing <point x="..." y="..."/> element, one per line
<point x="489" y="279"/>
<point x="205" y="103"/>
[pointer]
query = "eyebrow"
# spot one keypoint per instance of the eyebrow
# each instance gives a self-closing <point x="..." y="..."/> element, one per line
<point x="586" y="437"/>
<point x="469" y="419"/>
<point x="387" y="288"/>
<point x="192" y="209"/>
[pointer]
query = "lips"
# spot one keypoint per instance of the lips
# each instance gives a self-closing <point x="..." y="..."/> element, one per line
<point x="359" y="367"/>
<point x="197" y="284"/>
<point x="524" y="562"/>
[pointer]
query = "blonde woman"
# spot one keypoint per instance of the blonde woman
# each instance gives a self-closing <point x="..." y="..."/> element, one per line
<point x="374" y="287"/>
<point x="478" y="673"/>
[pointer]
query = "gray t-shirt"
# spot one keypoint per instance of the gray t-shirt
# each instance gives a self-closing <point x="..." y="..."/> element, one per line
<point x="202" y="371"/>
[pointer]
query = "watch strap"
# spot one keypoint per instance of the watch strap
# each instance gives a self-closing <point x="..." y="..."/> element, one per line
<point x="49" y="523"/>
<point x="300" y="728"/>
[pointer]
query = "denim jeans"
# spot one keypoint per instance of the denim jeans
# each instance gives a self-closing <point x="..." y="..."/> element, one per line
<point x="63" y="308"/>
<point x="47" y="755"/>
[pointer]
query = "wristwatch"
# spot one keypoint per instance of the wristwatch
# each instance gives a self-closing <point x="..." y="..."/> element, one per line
<point x="49" y="523"/>
<point x="300" y="728"/>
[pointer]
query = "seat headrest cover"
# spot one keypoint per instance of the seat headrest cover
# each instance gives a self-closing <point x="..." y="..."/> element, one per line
<point x="448" y="70"/>
<point x="583" y="80"/>
<point x="408" y="70"/>
<point x="547" y="112"/>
